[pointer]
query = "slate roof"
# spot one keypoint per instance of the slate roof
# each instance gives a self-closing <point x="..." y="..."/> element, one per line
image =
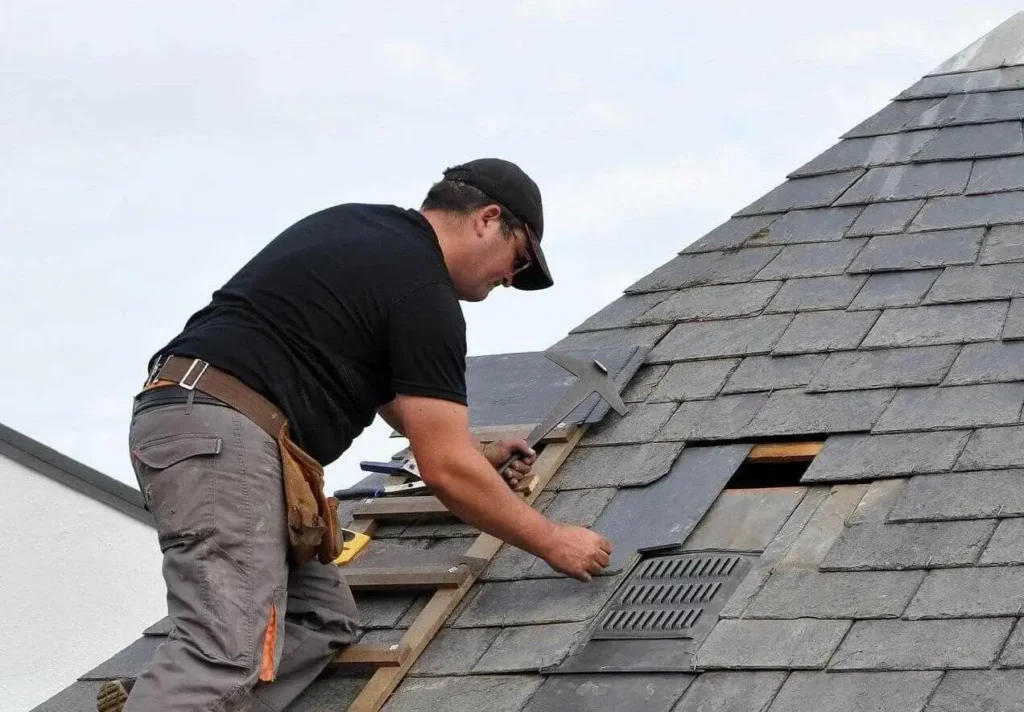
<point x="874" y="300"/>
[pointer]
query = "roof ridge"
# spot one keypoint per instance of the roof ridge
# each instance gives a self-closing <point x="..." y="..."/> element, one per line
<point x="1000" y="47"/>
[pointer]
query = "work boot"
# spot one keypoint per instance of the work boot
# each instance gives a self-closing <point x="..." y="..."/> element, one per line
<point x="113" y="694"/>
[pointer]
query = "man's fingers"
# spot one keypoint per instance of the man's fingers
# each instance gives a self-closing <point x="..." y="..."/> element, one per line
<point x="603" y="559"/>
<point x="605" y="545"/>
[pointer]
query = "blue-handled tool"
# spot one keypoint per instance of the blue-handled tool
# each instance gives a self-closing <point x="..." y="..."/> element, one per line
<point x="374" y="491"/>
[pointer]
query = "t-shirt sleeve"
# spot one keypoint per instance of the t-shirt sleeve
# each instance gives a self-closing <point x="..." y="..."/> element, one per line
<point x="427" y="341"/>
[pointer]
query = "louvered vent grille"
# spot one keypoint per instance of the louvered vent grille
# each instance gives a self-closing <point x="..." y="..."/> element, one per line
<point x="672" y="596"/>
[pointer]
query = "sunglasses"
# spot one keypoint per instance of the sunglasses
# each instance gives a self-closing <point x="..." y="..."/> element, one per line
<point x="523" y="260"/>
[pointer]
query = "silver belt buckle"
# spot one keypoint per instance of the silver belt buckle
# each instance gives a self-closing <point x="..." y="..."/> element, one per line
<point x="184" y="379"/>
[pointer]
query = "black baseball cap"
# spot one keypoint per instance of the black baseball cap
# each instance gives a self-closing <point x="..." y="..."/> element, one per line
<point x="509" y="186"/>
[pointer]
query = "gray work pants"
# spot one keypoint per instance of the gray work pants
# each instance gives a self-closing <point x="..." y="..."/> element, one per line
<point x="212" y="479"/>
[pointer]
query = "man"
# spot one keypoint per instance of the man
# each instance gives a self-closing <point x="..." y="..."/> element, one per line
<point x="351" y="312"/>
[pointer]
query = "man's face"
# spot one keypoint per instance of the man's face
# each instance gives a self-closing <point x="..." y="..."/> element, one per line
<point x="496" y="257"/>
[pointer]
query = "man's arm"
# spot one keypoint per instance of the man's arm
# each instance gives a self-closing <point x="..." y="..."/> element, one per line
<point x="461" y="477"/>
<point x="389" y="412"/>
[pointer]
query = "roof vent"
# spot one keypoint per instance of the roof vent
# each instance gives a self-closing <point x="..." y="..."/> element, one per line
<point x="673" y="596"/>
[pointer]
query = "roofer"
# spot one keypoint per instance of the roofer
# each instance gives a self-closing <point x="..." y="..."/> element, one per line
<point x="352" y="311"/>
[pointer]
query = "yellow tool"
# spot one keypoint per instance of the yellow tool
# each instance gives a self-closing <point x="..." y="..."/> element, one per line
<point x="353" y="544"/>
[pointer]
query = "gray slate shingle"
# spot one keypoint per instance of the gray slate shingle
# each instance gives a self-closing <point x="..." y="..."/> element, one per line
<point x="922" y="645"/>
<point x="973" y="108"/>
<point x="995" y="175"/>
<point x="693" y="380"/>
<point x="979" y="691"/>
<point x="919" y="250"/>
<point x="892" y="118"/>
<point x="707" y="268"/>
<point x="953" y="407"/>
<point x="856" y="691"/>
<point x="495" y="693"/>
<point x="895" y="289"/>
<point x="622" y="312"/>
<point x="885" y="218"/>
<point x="966" y="82"/>
<point x="968" y="495"/>
<point x="579" y="507"/>
<point x="815" y="332"/>
<point x="454" y="651"/>
<point x="865" y="457"/>
<point x="1013" y="653"/>
<point x="984" y="141"/>
<point x="788" y="413"/>
<point x="875" y="547"/>
<point x="733" y="691"/>
<point x="988" y="362"/>
<point x="759" y="644"/>
<point x="1013" y="328"/>
<point x="969" y="593"/>
<point x="768" y="373"/>
<point x="535" y="602"/>
<point x="806" y="226"/>
<point x="993" y="448"/>
<point x="969" y="211"/>
<point x="624" y="693"/>
<point x="920" y="180"/>
<point x="733" y="233"/>
<point x="816" y="260"/>
<point x="884" y="368"/>
<point x="877" y="502"/>
<point x="815" y="293"/>
<point x="646" y="380"/>
<point x="613" y="338"/>
<point x="1003" y="243"/>
<point x="816" y="192"/>
<point x="944" y="324"/>
<point x="745" y="519"/>
<point x="529" y="648"/>
<point x="719" y="339"/>
<point x="864" y="152"/>
<point x="639" y="425"/>
<point x="1006" y="545"/>
<point x="977" y="283"/>
<point x="725" y="417"/>
<point x="589" y="467"/>
<point x="853" y="594"/>
<point x="716" y="302"/>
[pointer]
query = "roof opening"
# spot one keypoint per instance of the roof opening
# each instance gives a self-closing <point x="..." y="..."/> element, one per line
<point x="774" y="465"/>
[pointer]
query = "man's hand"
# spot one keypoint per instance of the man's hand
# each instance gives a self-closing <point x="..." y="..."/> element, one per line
<point x="501" y="450"/>
<point x="577" y="552"/>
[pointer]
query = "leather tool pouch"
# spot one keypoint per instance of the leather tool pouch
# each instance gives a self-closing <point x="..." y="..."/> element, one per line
<point x="312" y="517"/>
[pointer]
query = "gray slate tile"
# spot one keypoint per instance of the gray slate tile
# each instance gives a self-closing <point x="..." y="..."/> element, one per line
<point x="968" y="495"/>
<point x="995" y="175"/>
<point x="768" y="373"/>
<point x="494" y="693"/>
<point x="920" y="180"/>
<point x="885" y="218"/>
<point x="622" y="312"/>
<point x="979" y="691"/>
<point x="978" y="283"/>
<point x="873" y="547"/>
<point x="999" y="47"/>
<point x="884" y="368"/>
<point x="922" y="645"/>
<point x="966" y="82"/>
<point x="766" y="644"/>
<point x="639" y="425"/>
<point x="745" y="519"/>
<point x="509" y="564"/>
<point x="892" y="118"/>
<point x="853" y="594"/>
<point x="671" y="507"/>
<point x="877" y="502"/>
<point x="693" y="380"/>
<point x="993" y="448"/>
<point x="919" y="250"/>
<point x="164" y="626"/>
<point x="814" y="293"/>
<point x="856" y="691"/>
<point x="733" y="691"/>
<point x="701" y="269"/>
<point x="719" y="339"/>
<point x="329" y="693"/>
<point x="1006" y="545"/>
<point x="651" y="692"/>
<point x="863" y="152"/>
<point x="129" y="662"/>
<point x="789" y="413"/>
<point x="815" y="332"/>
<point x="895" y="289"/>
<point x="589" y="467"/>
<point x="952" y="407"/>
<point x="579" y="507"/>
<point x="530" y="648"/>
<point x="867" y="457"/>
<point x="716" y="302"/>
<point x="646" y="336"/>
<point x="1013" y="328"/>
<point x="733" y="233"/>
<point x="984" y="592"/>
<point x="988" y="362"/>
<point x="1013" y="653"/>
<point x="723" y="418"/>
<point x="805" y="226"/>
<point x="535" y="602"/>
<point x="982" y="141"/>
<point x="645" y="381"/>
<point x="810" y="547"/>
<point x="454" y="651"/>
<point x="969" y="211"/>
<point x="77" y="697"/>
<point x="946" y="324"/>
<point x="973" y="108"/>
<point x="817" y="260"/>
<point x="816" y="192"/>
<point x="382" y="609"/>
<point x="1003" y="243"/>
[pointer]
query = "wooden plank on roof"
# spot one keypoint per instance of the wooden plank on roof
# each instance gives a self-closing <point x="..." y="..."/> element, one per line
<point x="784" y="452"/>
<point x="362" y="654"/>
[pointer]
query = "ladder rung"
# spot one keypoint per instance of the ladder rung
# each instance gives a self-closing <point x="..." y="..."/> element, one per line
<point x="363" y="654"/>
<point x="376" y="578"/>
<point x="401" y="509"/>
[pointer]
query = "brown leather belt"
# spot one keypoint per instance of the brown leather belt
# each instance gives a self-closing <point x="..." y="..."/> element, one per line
<point x="196" y="374"/>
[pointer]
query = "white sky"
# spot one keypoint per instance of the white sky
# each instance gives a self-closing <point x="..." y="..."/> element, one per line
<point x="147" y="150"/>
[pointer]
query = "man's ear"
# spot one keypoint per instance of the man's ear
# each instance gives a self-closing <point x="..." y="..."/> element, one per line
<point x="485" y="215"/>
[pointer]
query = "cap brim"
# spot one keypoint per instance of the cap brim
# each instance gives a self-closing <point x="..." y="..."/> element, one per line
<point x="537" y="275"/>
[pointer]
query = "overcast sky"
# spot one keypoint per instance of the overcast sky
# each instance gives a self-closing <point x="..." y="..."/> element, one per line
<point x="149" y="149"/>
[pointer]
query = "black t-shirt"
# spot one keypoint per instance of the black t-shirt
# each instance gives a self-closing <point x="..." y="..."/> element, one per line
<point x="335" y="316"/>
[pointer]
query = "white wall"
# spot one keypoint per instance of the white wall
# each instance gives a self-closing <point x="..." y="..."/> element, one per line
<point x="78" y="582"/>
